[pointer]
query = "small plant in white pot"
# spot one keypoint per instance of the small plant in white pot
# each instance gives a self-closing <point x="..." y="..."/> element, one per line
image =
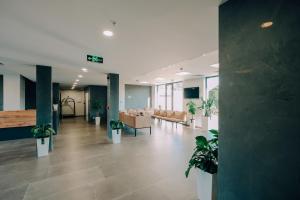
<point x="205" y="158"/>
<point x="42" y="133"/>
<point x="192" y="108"/>
<point x="208" y="108"/>
<point x="116" y="127"/>
<point x="97" y="105"/>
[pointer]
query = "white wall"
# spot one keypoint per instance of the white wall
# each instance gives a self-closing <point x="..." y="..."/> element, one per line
<point x="78" y="96"/>
<point x="200" y="82"/>
<point x="13" y="98"/>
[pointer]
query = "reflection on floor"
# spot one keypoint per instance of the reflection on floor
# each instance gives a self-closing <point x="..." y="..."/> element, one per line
<point x="84" y="165"/>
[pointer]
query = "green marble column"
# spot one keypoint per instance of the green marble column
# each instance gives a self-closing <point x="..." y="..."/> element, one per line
<point x="112" y="100"/>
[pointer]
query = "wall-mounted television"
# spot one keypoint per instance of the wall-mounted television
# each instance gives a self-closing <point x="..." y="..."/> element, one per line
<point x="191" y="93"/>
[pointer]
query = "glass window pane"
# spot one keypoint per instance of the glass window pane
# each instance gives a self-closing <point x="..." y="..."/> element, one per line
<point x="161" y="97"/>
<point x="169" y="97"/>
<point x="178" y="96"/>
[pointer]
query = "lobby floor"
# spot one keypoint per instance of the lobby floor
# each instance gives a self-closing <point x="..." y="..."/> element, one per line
<point x="84" y="165"/>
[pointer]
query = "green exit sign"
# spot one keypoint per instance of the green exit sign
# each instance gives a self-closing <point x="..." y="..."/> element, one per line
<point x="96" y="59"/>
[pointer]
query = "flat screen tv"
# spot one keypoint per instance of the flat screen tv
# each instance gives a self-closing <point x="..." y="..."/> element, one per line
<point x="191" y="93"/>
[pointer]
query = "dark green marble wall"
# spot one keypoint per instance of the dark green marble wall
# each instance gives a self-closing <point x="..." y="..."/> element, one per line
<point x="30" y="94"/>
<point x="44" y="94"/>
<point x="1" y="92"/>
<point x="56" y="100"/>
<point x="97" y="93"/>
<point x="259" y="100"/>
<point x="112" y="100"/>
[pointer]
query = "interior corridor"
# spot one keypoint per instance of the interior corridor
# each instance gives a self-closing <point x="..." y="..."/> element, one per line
<point x="85" y="166"/>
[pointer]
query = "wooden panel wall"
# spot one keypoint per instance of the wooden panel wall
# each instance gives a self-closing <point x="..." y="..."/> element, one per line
<point x="20" y="118"/>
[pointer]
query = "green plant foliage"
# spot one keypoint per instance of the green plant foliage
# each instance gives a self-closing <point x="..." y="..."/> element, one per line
<point x="97" y="105"/>
<point x="205" y="156"/>
<point x="192" y="108"/>
<point x="116" y="125"/>
<point x="208" y="106"/>
<point x="42" y="131"/>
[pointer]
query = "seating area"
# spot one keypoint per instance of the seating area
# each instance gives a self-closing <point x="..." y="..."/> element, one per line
<point x="171" y="116"/>
<point x="136" y="119"/>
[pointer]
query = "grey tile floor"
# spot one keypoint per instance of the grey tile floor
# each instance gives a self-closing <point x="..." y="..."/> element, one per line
<point x="84" y="165"/>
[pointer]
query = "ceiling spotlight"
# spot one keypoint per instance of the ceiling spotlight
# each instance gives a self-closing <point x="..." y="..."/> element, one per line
<point x="266" y="24"/>
<point x="215" y="65"/>
<point x="108" y="33"/>
<point x="80" y="76"/>
<point x="84" y="69"/>
<point x="183" y="73"/>
<point x="77" y="80"/>
<point x="159" y="79"/>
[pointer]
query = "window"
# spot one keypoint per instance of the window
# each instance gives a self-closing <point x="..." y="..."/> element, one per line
<point x="169" y="96"/>
<point x="212" y="88"/>
<point x="161" y="96"/>
<point x="178" y="96"/>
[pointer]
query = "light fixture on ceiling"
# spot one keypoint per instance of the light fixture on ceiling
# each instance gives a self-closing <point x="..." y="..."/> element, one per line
<point x="84" y="69"/>
<point x="266" y="24"/>
<point x="159" y="79"/>
<point x="144" y="82"/>
<point x="215" y="65"/>
<point x="109" y="32"/>
<point x="183" y="73"/>
<point x="76" y="80"/>
<point x="80" y="76"/>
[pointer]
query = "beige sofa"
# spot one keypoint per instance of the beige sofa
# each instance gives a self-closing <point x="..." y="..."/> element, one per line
<point x="171" y="116"/>
<point x="136" y="120"/>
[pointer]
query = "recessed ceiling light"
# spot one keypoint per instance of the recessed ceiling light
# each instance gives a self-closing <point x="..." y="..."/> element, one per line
<point x="215" y="65"/>
<point x="183" y="73"/>
<point x="108" y="33"/>
<point x="159" y="79"/>
<point x="144" y="82"/>
<point x="77" y="80"/>
<point x="266" y="24"/>
<point x="80" y="76"/>
<point x="84" y="69"/>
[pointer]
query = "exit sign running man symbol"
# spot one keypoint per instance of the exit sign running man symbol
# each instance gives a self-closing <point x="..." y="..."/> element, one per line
<point x="96" y="59"/>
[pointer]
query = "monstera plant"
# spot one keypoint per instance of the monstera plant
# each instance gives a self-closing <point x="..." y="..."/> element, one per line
<point x="205" y="156"/>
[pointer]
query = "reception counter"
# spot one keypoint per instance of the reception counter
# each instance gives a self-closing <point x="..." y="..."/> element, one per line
<point x="16" y="124"/>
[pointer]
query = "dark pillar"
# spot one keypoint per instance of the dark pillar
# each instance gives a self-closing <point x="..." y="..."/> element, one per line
<point x="43" y="94"/>
<point x="112" y="100"/>
<point x="56" y="101"/>
<point x="259" y="100"/>
<point x="1" y="92"/>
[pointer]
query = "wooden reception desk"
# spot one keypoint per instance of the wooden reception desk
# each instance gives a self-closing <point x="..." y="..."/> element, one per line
<point x="20" y="118"/>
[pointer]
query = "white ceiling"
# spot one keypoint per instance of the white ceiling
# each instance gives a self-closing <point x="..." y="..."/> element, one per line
<point x="149" y="35"/>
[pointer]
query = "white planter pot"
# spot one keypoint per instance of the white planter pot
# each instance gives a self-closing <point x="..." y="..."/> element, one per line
<point x="204" y="185"/>
<point x="97" y="121"/>
<point x="193" y="124"/>
<point x="116" y="138"/>
<point x="42" y="149"/>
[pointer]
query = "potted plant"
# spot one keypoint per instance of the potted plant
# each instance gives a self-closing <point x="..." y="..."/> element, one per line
<point x="42" y="133"/>
<point x="192" y="108"/>
<point x="205" y="158"/>
<point x="208" y="108"/>
<point x="116" y="127"/>
<point x="97" y="106"/>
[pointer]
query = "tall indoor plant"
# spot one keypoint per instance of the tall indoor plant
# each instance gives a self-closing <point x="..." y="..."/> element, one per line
<point x="208" y="108"/>
<point x="97" y="106"/>
<point x="205" y="158"/>
<point x="42" y="133"/>
<point x="192" y="108"/>
<point x="116" y="127"/>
